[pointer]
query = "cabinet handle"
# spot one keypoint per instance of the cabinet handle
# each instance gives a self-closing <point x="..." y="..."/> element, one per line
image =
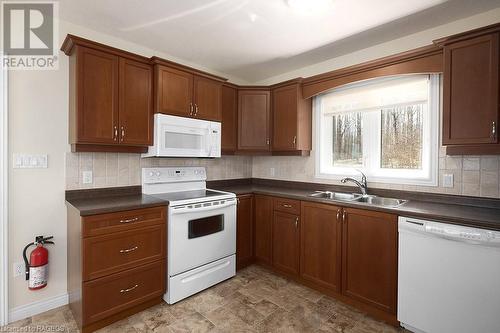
<point x="135" y="219"/>
<point x="296" y="222"/>
<point x="191" y="110"/>
<point x="493" y="129"/>
<point x="267" y="142"/>
<point x="122" y="134"/>
<point x="129" y="250"/>
<point x="128" y="289"/>
<point x="115" y="135"/>
<point x="338" y="214"/>
<point x="195" y="109"/>
<point x="344" y="216"/>
<point x="294" y="141"/>
<point x="287" y="206"/>
<point x="237" y="200"/>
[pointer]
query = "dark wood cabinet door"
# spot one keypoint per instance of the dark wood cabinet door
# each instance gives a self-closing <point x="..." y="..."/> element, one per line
<point x="229" y="119"/>
<point x="244" y="230"/>
<point x="263" y="228"/>
<point x="136" y="103"/>
<point x="470" y="86"/>
<point x="207" y="99"/>
<point x="369" y="258"/>
<point x="253" y="120"/>
<point x="286" y="242"/>
<point x="285" y="118"/>
<point x="97" y="105"/>
<point x="321" y="244"/>
<point x="173" y="91"/>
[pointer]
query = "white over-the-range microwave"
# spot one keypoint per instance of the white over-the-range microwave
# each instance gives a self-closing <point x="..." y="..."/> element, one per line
<point x="184" y="137"/>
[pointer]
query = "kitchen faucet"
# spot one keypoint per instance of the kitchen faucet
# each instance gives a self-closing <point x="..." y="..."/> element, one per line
<point x="362" y="185"/>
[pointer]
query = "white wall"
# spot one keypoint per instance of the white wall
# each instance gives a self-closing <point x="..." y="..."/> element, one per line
<point x="406" y="43"/>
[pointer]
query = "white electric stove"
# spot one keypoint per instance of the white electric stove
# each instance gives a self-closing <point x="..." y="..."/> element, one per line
<point x="201" y="229"/>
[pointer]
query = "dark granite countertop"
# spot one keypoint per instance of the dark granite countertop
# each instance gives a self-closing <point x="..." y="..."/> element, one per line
<point x="473" y="212"/>
<point x="109" y="200"/>
<point x="473" y="216"/>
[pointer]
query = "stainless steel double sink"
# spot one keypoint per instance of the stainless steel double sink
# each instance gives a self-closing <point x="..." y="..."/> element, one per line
<point x="354" y="197"/>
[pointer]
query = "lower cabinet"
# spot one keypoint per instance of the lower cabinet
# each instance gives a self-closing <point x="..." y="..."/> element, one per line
<point x="345" y="252"/>
<point x="244" y="230"/>
<point x="286" y="233"/>
<point x="263" y="229"/>
<point x="116" y="264"/>
<point x="369" y="258"/>
<point x="321" y="244"/>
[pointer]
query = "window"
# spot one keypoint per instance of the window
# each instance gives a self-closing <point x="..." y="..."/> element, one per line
<point x="385" y="127"/>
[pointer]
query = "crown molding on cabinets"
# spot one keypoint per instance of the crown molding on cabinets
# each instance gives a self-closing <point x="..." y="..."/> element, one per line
<point x="427" y="59"/>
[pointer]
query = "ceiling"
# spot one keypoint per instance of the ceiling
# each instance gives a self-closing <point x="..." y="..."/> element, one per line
<point x="256" y="39"/>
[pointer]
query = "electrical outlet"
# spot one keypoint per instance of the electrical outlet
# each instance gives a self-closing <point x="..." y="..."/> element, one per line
<point x="272" y="171"/>
<point x="18" y="268"/>
<point x="87" y="177"/>
<point x="448" y="180"/>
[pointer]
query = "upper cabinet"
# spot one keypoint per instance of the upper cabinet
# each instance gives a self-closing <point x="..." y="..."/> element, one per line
<point x="229" y="140"/>
<point x="187" y="93"/>
<point x="471" y="92"/>
<point x="291" y="120"/>
<point x="254" y="111"/>
<point x="110" y="98"/>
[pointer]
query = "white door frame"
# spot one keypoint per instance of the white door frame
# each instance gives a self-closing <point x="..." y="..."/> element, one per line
<point x="4" y="158"/>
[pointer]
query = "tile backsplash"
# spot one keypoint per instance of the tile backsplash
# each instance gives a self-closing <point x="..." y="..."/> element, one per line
<point x="473" y="175"/>
<point x="114" y="169"/>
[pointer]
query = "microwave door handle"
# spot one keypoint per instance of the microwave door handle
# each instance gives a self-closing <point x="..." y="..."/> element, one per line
<point x="184" y="209"/>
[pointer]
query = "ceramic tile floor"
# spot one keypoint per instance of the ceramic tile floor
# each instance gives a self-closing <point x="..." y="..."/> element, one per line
<point x="256" y="300"/>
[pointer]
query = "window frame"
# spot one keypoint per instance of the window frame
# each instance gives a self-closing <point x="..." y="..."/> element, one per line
<point x="430" y="143"/>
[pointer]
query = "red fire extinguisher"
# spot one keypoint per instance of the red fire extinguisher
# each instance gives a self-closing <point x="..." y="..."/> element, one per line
<point x="37" y="267"/>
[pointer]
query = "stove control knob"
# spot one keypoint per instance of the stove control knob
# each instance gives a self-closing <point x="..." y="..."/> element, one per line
<point x="151" y="174"/>
<point x="157" y="173"/>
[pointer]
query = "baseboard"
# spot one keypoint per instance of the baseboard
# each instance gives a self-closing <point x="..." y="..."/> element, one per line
<point x="28" y="310"/>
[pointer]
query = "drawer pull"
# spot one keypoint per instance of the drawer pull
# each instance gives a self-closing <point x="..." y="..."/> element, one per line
<point x="123" y="291"/>
<point x="135" y="219"/>
<point x="287" y="206"/>
<point x="129" y="250"/>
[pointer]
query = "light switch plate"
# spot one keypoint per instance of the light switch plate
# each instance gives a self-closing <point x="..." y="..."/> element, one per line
<point x="18" y="268"/>
<point x="272" y="171"/>
<point x="448" y="180"/>
<point x="87" y="177"/>
<point x="30" y="161"/>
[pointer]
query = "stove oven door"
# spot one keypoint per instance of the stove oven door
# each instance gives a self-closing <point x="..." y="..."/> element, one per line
<point x="200" y="233"/>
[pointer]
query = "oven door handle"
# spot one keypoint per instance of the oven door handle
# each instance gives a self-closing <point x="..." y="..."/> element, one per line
<point x="192" y="209"/>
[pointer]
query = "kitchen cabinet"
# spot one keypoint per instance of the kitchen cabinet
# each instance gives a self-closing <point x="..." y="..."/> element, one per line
<point x="321" y="244"/>
<point x="173" y="91"/>
<point x="285" y="235"/>
<point x="116" y="264"/>
<point x="263" y="228"/>
<point x="292" y="116"/>
<point x="254" y="110"/>
<point x="136" y="103"/>
<point x="244" y="231"/>
<point x="110" y="98"/>
<point x="229" y="139"/>
<point x="181" y="91"/>
<point x="370" y="258"/>
<point x="471" y="92"/>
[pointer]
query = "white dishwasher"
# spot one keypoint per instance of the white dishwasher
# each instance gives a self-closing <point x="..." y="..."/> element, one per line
<point x="448" y="278"/>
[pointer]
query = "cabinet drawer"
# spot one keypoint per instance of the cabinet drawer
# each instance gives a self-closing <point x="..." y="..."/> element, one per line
<point x="121" y="221"/>
<point x="287" y="205"/>
<point x="107" y="254"/>
<point x="115" y="293"/>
